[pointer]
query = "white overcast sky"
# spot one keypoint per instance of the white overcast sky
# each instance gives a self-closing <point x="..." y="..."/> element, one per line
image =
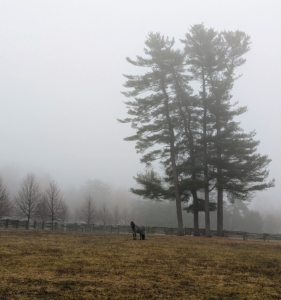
<point x="61" y="66"/>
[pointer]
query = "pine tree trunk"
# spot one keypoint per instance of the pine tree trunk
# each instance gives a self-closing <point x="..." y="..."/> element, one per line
<point x="195" y="213"/>
<point x="196" y="223"/>
<point x="219" y="183"/>
<point x="220" y="212"/>
<point x="207" y="213"/>
<point x="189" y="135"/>
<point x="205" y="163"/>
<point x="178" y="201"/>
<point x="173" y="163"/>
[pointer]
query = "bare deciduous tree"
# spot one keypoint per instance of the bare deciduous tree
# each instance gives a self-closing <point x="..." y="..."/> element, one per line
<point x="6" y="206"/>
<point x="116" y="214"/>
<point x="65" y="214"/>
<point x="41" y="212"/>
<point x="53" y="198"/>
<point x="28" y="197"/>
<point x="104" y="215"/>
<point x="125" y="215"/>
<point x="88" y="211"/>
<point x="76" y="215"/>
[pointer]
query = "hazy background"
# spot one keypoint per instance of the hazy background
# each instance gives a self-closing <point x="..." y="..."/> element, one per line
<point x="61" y="72"/>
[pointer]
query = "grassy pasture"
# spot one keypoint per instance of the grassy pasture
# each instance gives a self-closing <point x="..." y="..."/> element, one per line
<point x="71" y="265"/>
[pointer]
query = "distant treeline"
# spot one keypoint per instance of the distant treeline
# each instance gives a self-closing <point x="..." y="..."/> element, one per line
<point x="97" y="202"/>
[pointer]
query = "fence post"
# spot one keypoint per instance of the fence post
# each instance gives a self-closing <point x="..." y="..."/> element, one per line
<point x="34" y="225"/>
<point x="43" y="225"/>
<point x="118" y="229"/>
<point x="7" y="223"/>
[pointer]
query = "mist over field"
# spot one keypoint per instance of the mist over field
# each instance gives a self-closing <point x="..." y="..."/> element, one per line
<point x="61" y="77"/>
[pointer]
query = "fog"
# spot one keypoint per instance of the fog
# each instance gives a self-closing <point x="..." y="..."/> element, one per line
<point x="61" y="76"/>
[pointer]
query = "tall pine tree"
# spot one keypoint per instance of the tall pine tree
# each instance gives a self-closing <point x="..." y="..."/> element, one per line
<point x="194" y="136"/>
<point x="152" y="110"/>
<point x="230" y="154"/>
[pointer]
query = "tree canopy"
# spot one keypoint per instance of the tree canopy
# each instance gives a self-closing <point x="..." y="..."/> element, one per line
<point x="184" y="117"/>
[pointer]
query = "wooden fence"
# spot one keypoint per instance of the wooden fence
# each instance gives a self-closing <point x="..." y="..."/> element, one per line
<point x="123" y="229"/>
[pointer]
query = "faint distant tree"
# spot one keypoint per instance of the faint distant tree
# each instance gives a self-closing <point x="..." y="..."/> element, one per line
<point x="76" y="215"/>
<point x="27" y="199"/>
<point x="6" y="206"/>
<point x="101" y="191"/>
<point x="88" y="212"/>
<point x="65" y="213"/>
<point x="271" y="224"/>
<point x="116" y="214"/>
<point x="41" y="212"/>
<point x="240" y="217"/>
<point x="104" y="214"/>
<point x="133" y="214"/>
<point x="53" y="198"/>
<point x="125" y="215"/>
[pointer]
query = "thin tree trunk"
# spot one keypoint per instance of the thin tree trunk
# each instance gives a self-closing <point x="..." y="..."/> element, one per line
<point x="28" y="219"/>
<point x="220" y="213"/>
<point x="173" y="163"/>
<point x="219" y="183"/>
<point x="195" y="214"/>
<point x="205" y="163"/>
<point x="196" y="223"/>
<point x="189" y="135"/>
<point x="207" y="212"/>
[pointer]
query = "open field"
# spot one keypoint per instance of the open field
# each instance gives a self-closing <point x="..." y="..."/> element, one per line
<point x="65" y="265"/>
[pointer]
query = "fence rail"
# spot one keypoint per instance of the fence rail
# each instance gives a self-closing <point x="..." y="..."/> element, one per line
<point x="125" y="229"/>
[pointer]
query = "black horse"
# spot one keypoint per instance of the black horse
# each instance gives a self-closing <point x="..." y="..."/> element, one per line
<point x="138" y="229"/>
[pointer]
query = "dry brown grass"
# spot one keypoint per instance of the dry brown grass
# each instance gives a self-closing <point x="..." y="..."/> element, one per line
<point x="63" y="265"/>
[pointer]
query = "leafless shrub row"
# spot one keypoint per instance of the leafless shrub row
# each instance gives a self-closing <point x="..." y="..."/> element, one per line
<point x="33" y="203"/>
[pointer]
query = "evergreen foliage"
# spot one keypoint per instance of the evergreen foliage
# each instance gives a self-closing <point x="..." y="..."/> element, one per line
<point x="153" y="109"/>
<point x="193" y="133"/>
